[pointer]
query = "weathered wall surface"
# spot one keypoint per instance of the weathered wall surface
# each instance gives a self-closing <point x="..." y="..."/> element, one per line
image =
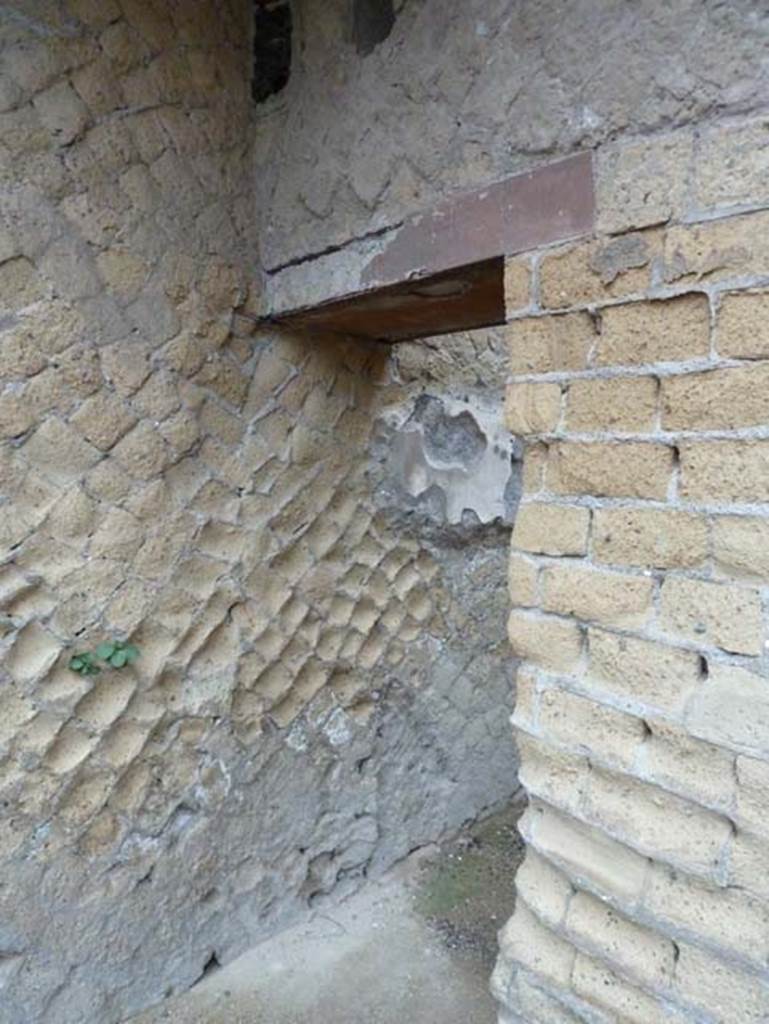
<point x="463" y="94"/>
<point x="321" y="675"/>
<point x="639" y="580"/>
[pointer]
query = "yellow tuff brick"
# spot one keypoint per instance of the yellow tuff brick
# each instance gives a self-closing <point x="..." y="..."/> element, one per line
<point x="590" y="727"/>
<point x="603" y="469"/>
<point x="549" y="343"/>
<point x="551" y="529"/>
<point x="718" y="614"/>
<point x="584" y="852"/>
<point x="598" y="270"/>
<point x="517" y="284"/>
<point x="547" y="641"/>
<point x="742" y="326"/>
<point x="661" y="331"/>
<point x="655" y="822"/>
<point x="716" y="400"/>
<point x="619" y="405"/>
<point x="532" y="408"/>
<point x="643" y="671"/>
<point x="596" y="596"/>
<point x="724" y="471"/>
<point x="649" y="537"/>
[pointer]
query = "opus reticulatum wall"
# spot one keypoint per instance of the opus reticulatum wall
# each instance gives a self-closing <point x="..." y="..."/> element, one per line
<point x="322" y="666"/>
<point x="322" y="671"/>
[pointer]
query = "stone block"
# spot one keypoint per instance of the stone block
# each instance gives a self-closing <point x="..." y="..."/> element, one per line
<point x="59" y="452"/>
<point x="142" y="453"/>
<point x="717" y="250"/>
<point x="590" y="727"/>
<point x="724" y="471"/>
<point x="551" y="774"/>
<point x="650" y="537"/>
<point x="547" y="641"/>
<point x="741" y="546"/>
<point x="679" y="762"/>
<point x="716" y="400"/>
<point x="730" y="919"/>
<point x="717" y="614"/>
<point x="731" y="995"/>
<point x="544" y="889"/>
<point x="16" y="415"/>
<point x="732" y="165"/>
<point x="62" y="112"/>
<point x="660" y="331"/>
<point x="594" y="596"/>
<point x="106" y="701"/>
<point x="119" y="535"/>
<point x="32" y="654"/>
<point x="731" y="709"/>
<point x="638" y="951"/>
<point x="656" y="823"/>
<point x="603" y="469"/>
<point x="546" y="344"/>
<point x="742" y="326"/>
<point x="126" y="365"/>
<point x="642" y="182"/>
<point x="551" y="529"/>
<point x="641" y="672"/>
<point x="595" y="982"/>
<point x="599" y="270"/>
<point x="748" y="868"/>
<point x="526" y="698"/>
<point x="539" y="1006"/>
<point x="522" y="580"/>
<point x="752" y="787"/>
<point x="103" y="419"/>
<point x="517" y="284"/>
<point x="20" y="355"/>
<point x="526" y="941"/>
<point x="587" y="854"/>
<point x="620" y="405"/>
<point x="534" y="462"/>
<point x="532" y="408"/>
<point x="20" y="284"/>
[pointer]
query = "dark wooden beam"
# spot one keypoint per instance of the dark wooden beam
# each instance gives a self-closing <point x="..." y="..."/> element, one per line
<point x="455" y="300"/>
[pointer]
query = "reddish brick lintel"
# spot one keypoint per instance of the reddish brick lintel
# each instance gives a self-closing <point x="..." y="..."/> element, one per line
<point x="549" y="204"/>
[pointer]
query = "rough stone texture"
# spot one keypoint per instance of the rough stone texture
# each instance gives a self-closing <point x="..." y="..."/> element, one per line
<point x="638" y="580"/>
<point x="462" y="96"/>
<point x="323" y="677"/>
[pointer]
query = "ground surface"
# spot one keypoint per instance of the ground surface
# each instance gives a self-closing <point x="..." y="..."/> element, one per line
<point x="416" y="946"/>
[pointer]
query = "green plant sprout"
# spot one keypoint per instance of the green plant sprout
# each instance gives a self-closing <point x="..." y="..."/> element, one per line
<point x="114" y="652"/>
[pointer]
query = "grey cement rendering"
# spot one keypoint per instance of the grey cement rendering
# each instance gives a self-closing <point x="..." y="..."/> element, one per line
<point x="416" y="945"/>
<point x="459" y="96"/>
<point x="309" y="817"/>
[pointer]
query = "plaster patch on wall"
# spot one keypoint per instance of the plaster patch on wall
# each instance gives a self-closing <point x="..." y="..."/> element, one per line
<point x="451" y="459"/>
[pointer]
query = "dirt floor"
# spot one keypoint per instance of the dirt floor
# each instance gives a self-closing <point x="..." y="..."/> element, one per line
<point x="416" y="946"/>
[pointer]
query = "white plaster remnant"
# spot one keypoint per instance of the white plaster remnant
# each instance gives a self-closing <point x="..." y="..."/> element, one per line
<point x="469" y="464"/>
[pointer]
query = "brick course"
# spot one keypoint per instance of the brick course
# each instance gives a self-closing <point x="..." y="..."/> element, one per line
<point x="643" y="717"/>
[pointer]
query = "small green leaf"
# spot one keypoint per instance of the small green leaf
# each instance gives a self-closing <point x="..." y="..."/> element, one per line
<point x="131" y="652"/>
<point x="76" y="663"/>
<point x="118" y="659"/>
<point x="105" y="651"/>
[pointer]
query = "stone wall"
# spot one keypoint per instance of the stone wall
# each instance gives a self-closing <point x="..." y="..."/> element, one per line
<point x="639" y="577"/>
<point x="321" y="675"/>
<point x="460" y="95"/>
